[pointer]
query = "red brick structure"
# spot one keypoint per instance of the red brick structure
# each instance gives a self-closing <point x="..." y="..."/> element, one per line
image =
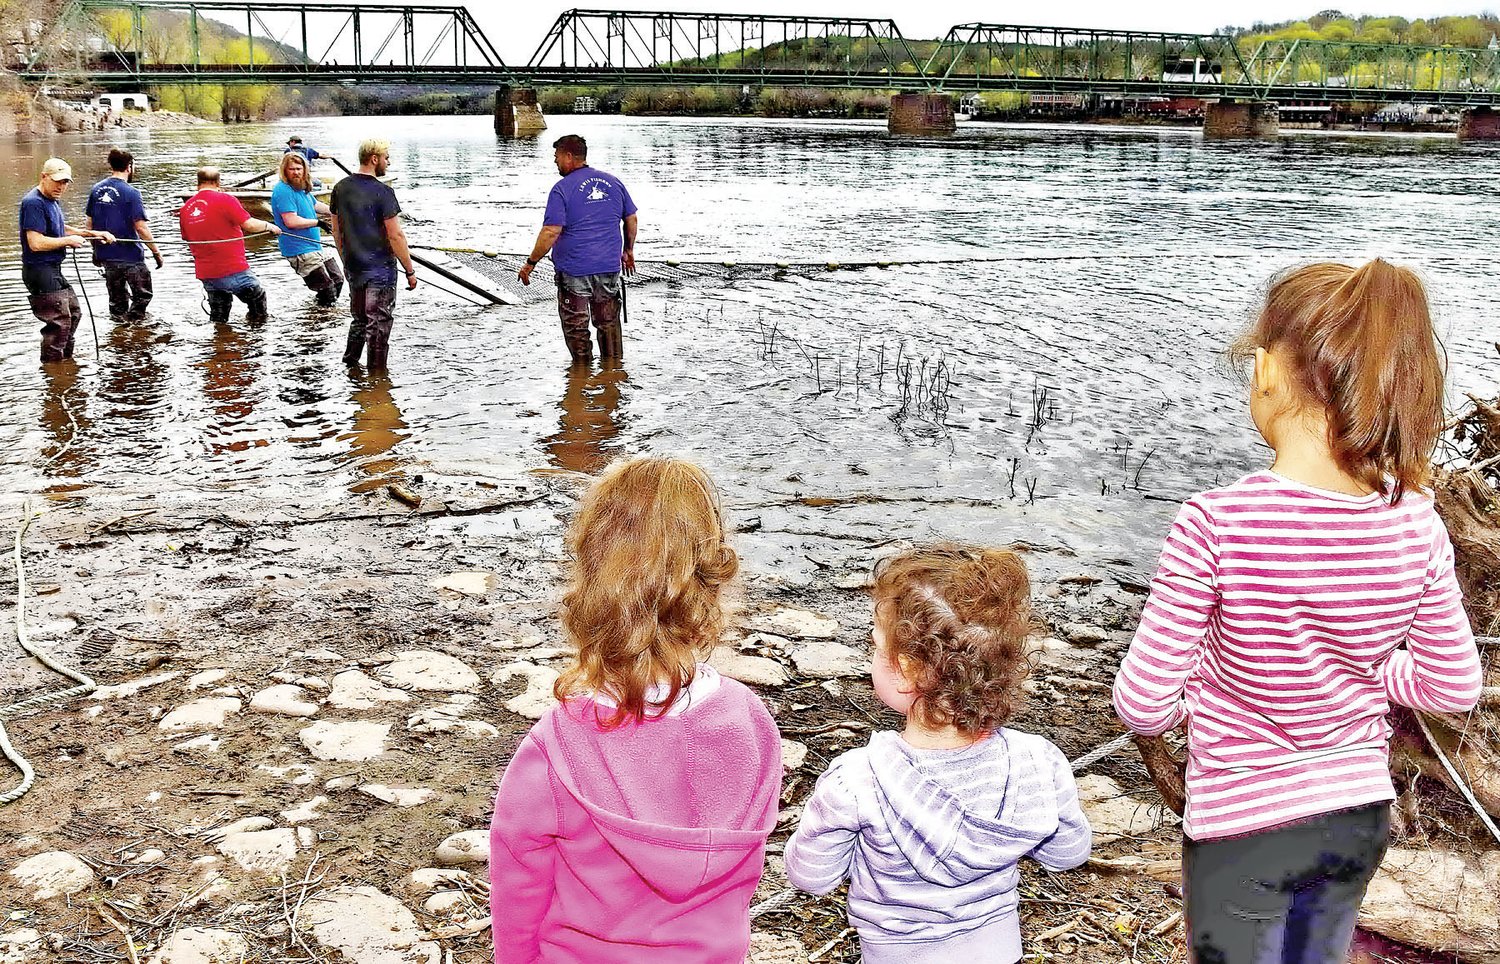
<point x="1241" y="119"/>
<point x="517" y="113"/>
<point x="921" y="114"/>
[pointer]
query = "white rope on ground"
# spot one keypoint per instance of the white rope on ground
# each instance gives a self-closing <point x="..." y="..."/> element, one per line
<point x="84" y="687"/>
<point x="1458" y="781"/>
<point x="1100" y="752"/>
<point x="775" y="902"/>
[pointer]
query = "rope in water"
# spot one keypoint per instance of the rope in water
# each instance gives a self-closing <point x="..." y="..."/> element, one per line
<point x="901" y="263"/>
<point x="785" y="897"/>
<point x="84" y="687"/>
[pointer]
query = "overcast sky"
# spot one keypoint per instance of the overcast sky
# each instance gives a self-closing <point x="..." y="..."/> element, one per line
<point x="516" y="28"/>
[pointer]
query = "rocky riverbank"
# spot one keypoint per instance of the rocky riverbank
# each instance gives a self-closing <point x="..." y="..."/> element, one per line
<point x="24" y="115"/>
<point x="302" y="715"/>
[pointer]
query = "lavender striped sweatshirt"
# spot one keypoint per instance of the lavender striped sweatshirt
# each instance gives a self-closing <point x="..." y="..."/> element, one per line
<point x="930" y="839"/>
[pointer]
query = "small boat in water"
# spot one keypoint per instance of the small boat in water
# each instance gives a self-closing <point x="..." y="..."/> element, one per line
<point x="255" y="192"/>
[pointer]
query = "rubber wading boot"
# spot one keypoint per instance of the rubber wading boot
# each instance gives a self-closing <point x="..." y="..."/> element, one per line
<point x="256" y="303"/>
<point x="219" y="305"/>
<point x="354" y="346"/>
<point x="611" y="340"/>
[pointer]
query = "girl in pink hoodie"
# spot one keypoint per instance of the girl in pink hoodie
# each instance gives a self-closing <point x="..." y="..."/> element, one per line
<point x="631" y="823"/>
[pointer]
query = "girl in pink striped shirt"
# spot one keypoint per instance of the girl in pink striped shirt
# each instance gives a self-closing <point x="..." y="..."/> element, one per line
<point x="1291" y="608"/>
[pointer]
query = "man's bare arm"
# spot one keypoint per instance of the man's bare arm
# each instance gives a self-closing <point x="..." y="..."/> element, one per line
<point x="397" y="239"/>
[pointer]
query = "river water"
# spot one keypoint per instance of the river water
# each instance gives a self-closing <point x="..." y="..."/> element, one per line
<point x="1065" y="391"/>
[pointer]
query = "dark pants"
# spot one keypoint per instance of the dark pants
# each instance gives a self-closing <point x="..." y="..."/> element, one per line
<point x="373" y="311"/>
<point x="55" y="306"/>
<point x="242" y="285"/>
<point x="578" y="297"/>
<point x="129" y="287"/>
<point x="1290" y="895"/>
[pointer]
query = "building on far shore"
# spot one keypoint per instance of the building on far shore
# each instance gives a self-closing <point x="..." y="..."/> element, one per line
<point x="116" y="101"/>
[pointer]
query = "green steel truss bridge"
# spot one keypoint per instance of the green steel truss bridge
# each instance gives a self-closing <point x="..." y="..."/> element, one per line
<point x="120" y="44"/>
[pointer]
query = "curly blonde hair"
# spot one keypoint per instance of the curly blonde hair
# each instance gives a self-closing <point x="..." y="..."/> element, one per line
<point x="644" y="600"/>
<point x="956" y="621"/>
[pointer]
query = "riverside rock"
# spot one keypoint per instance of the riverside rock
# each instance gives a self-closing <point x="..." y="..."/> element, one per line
<point x="201" y="945"/>
<point x="365" y="925"/>
<point x="284" y="700"/>
<point x="350" y="742"/>
<point x="21" y="947"/>
<point x="464" y="847"/>
<point x="208" y="713"/>
<point x="267" y="851"/>
<point x="132" y="687"/>
<point x="538" y="697"/>
<point x="796" y="623"/>
<point x="429" y="671"/>
<point x="822" y="659"/>
<point x="1082" y="634"/>
<point x="1439" y="900"/>
<point x="1113" y="813"/>
<point x="53" y="874"/>
<point x="307" y="811"/>
<point x="430" y="879"/>
<point x="399" y="796"/>
<point x="353" y="690"/>
<point x="754" y="670"/>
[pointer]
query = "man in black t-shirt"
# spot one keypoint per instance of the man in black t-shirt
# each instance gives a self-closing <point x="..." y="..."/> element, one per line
<point x="367" y="230"/>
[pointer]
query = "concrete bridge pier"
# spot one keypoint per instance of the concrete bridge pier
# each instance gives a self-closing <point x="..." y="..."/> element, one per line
<point x="1479" y="124"/>
<point x="517" y="113"/>
<point x="921" y="114"/>
<point x="1241" y="119"/>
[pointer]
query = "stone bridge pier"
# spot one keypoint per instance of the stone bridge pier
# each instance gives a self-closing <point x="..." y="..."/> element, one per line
<point x="1479" y="124"/>
<point x="921" y="114"/>
<point x="517" y="113"/>
<point x="1241" y="119"/>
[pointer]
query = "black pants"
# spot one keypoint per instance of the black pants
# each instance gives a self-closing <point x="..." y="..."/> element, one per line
<point x="55" y="306"/>
<point x="129" y="287"/>
<point x="372" y="309"/>
<point x="1290" y="895"/>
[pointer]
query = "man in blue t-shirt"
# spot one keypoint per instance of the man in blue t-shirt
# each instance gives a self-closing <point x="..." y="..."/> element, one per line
<point x="581" y="228"/>
<point x="45" y="240"/>
<point x="115" y="206"/>
<point x="294" y="146"/>
<point x="296" y="210"/>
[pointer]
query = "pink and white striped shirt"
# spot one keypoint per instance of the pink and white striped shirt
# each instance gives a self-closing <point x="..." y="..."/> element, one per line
<point x="1275" y="627"/>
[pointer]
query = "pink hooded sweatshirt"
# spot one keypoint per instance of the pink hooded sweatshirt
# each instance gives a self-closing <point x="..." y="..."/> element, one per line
<point x="641" y="843"/>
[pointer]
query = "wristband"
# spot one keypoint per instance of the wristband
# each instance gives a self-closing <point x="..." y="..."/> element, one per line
<point x="533" y="261"/>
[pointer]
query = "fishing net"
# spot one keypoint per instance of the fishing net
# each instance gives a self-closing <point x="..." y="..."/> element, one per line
<point x="501" y="268"/>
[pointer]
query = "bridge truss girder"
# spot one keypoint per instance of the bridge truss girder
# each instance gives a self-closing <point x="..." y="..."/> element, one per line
<point x="982" y="56"/>
<point x="163" y="41"/>
<point x="720" y="48"/>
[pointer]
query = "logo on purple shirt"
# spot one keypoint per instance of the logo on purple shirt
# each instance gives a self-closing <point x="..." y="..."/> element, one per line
<point x="588" y="205"/>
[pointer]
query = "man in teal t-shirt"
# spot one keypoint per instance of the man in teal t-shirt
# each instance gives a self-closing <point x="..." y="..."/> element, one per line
<point x="296" y="212"/>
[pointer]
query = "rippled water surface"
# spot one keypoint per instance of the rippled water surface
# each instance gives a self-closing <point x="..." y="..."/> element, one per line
<point x="1072" y="382"/>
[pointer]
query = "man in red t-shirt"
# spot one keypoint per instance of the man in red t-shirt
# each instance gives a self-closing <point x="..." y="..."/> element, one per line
<point x="219" y="223"/>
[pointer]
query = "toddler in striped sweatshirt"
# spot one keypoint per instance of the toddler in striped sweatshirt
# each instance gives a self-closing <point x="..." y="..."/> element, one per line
<point x="929" y="824"/>
<point x="1290" y="609"/>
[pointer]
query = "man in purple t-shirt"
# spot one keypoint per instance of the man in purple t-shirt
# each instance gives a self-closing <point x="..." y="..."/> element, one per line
<point x="582" y="230"/>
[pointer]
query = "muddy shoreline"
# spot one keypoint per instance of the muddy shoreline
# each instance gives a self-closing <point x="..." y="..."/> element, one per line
<point x="303" y="711"/>
<point x="266" y="623"/>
